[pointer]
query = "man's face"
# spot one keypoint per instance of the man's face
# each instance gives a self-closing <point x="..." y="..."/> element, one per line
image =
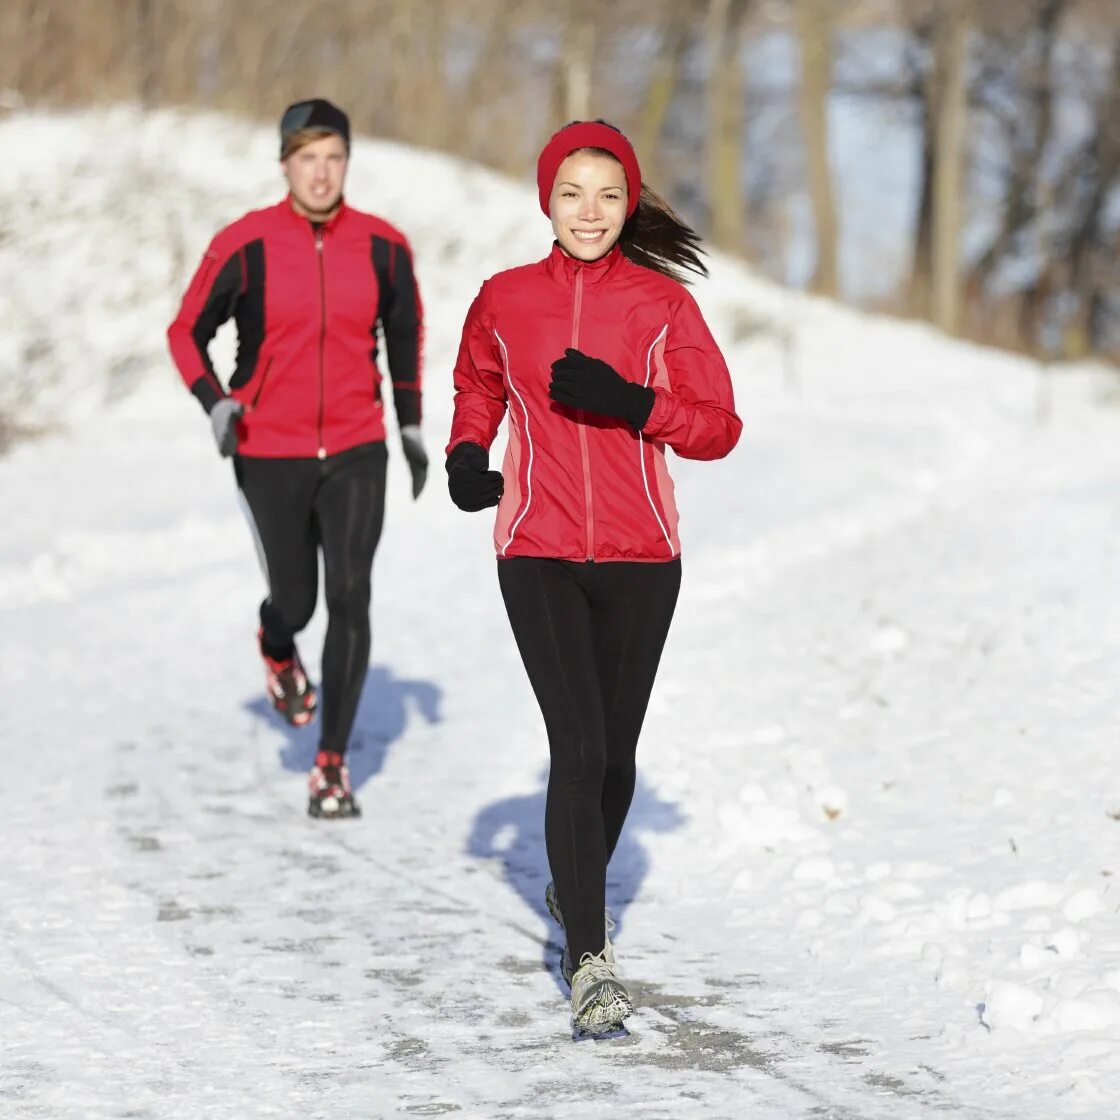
<point x="316" y="174"/>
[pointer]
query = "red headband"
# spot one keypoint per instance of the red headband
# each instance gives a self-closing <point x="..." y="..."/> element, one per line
<point x="587" y="134"/>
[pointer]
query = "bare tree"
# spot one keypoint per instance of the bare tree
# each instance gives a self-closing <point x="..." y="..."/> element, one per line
<point x="920" y="89"/>
<point x="952" y="109"/>
<point x="1017" y="67"/>
<point x="725" y="134"/>
<point x="1093" y="244"/>
<point x="814" y="22"/>
<point x="577" y="61"/>
<point x="675" y="32"/>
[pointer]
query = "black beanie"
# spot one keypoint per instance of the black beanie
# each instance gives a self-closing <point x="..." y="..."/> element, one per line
<point x="317" y="112"/>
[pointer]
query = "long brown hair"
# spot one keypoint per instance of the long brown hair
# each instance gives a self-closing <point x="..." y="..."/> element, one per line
<point x="654" y="236"/>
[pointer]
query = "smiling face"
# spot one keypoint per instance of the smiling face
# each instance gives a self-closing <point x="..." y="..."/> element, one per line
<point x="588" y="204"/>
<point x="315" y="173"/>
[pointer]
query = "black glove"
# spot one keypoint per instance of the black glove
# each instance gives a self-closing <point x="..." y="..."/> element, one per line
<point x="223" y="422"/>
<point x="593" y="386"/>
<point x="470" y="483"/>
<point x="417" y="457"/>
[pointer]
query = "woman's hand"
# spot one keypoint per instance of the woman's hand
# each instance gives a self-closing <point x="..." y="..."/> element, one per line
<point x="592" y="385"/>
<point x="470" y="483"/>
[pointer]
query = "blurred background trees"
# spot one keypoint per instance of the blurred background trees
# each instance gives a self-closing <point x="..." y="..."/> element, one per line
<point x="957" y="160"/>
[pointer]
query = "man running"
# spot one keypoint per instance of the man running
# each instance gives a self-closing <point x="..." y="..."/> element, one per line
<point x="308" y="282"/>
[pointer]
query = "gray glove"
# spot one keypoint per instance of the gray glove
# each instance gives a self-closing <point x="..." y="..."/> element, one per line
<point x="223" y="419"/>
<point x="416" y="455"/>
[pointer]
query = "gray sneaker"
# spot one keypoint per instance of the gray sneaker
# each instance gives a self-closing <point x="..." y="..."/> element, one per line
<point x="566" y="969"/>
<point x="600" y="1001"/>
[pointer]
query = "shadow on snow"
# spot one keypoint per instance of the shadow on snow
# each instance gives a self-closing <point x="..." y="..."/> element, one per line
<point x="383" y="715"/>
<point x="512" y="831"/>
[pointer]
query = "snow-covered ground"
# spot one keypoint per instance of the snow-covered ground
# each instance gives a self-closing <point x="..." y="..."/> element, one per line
<point x="871" y="868"/>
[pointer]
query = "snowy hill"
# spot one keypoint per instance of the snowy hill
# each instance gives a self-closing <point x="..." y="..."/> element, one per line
<point x="871" y="866"/>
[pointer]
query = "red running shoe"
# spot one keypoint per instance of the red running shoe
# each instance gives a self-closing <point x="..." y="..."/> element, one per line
<point x="329" y="784"/>
<point x="288" y="689"/>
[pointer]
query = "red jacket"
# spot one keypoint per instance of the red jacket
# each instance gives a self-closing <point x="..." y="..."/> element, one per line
<point x="307" y="303"/>
<point x="580" y="486"/>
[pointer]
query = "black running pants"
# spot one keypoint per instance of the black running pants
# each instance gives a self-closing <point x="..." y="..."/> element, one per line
<point x="591" y="637"/>
<point x="297" y="507"/>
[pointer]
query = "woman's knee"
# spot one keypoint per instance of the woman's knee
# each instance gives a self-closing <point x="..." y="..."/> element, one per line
<point x="349" y="598"/>
<point x="288" y="615"/>
<point x="577" y="774"/>
<point x="620" y="771"/>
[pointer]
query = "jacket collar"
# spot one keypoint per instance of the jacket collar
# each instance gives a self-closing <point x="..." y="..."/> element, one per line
<point x="563" y="268"/>
<point x="285" y="206"/>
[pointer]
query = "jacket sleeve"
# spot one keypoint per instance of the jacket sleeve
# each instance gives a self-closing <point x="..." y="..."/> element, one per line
<point x="694" y="409"/>
<point x="480" y="393"/>
<point x="402" y="322"/>
<point x="208" y="302"/>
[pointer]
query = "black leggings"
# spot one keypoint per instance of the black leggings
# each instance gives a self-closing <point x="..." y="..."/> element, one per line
<point x="591" y="637"/>
<point x="297" y="507"/>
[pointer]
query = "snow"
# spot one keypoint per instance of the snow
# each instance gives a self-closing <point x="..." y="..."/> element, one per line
<point x="869" y="871"/>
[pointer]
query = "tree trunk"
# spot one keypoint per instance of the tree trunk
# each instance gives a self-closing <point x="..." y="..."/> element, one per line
<point x="675" y="38"/>
<point x="402" y="42"/>
<point x="948" y="173"/>
<point x="1023" y="201"/>
<point x="147" y="47"/>
<point x="725" y="123"/>
<point x="17" y="27"/>
<point x="815" y="31"/>
<point x="922" y="91"/>
<point x="432" y="95"/>
<point x="1091" y="256"/>
<point x="577" y="62"/>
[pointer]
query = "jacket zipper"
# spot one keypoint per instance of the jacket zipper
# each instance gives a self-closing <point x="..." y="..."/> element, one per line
<point x="588" y="502"/>
<point x="260" y="387"/>
<point x="322" y="334"/>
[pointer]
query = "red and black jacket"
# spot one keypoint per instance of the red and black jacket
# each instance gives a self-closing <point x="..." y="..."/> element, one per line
<point x="307" y="301"/>
<point x="580" y="486"/>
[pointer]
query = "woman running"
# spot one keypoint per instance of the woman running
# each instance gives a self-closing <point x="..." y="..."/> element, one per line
<point x="602" y="358"/>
